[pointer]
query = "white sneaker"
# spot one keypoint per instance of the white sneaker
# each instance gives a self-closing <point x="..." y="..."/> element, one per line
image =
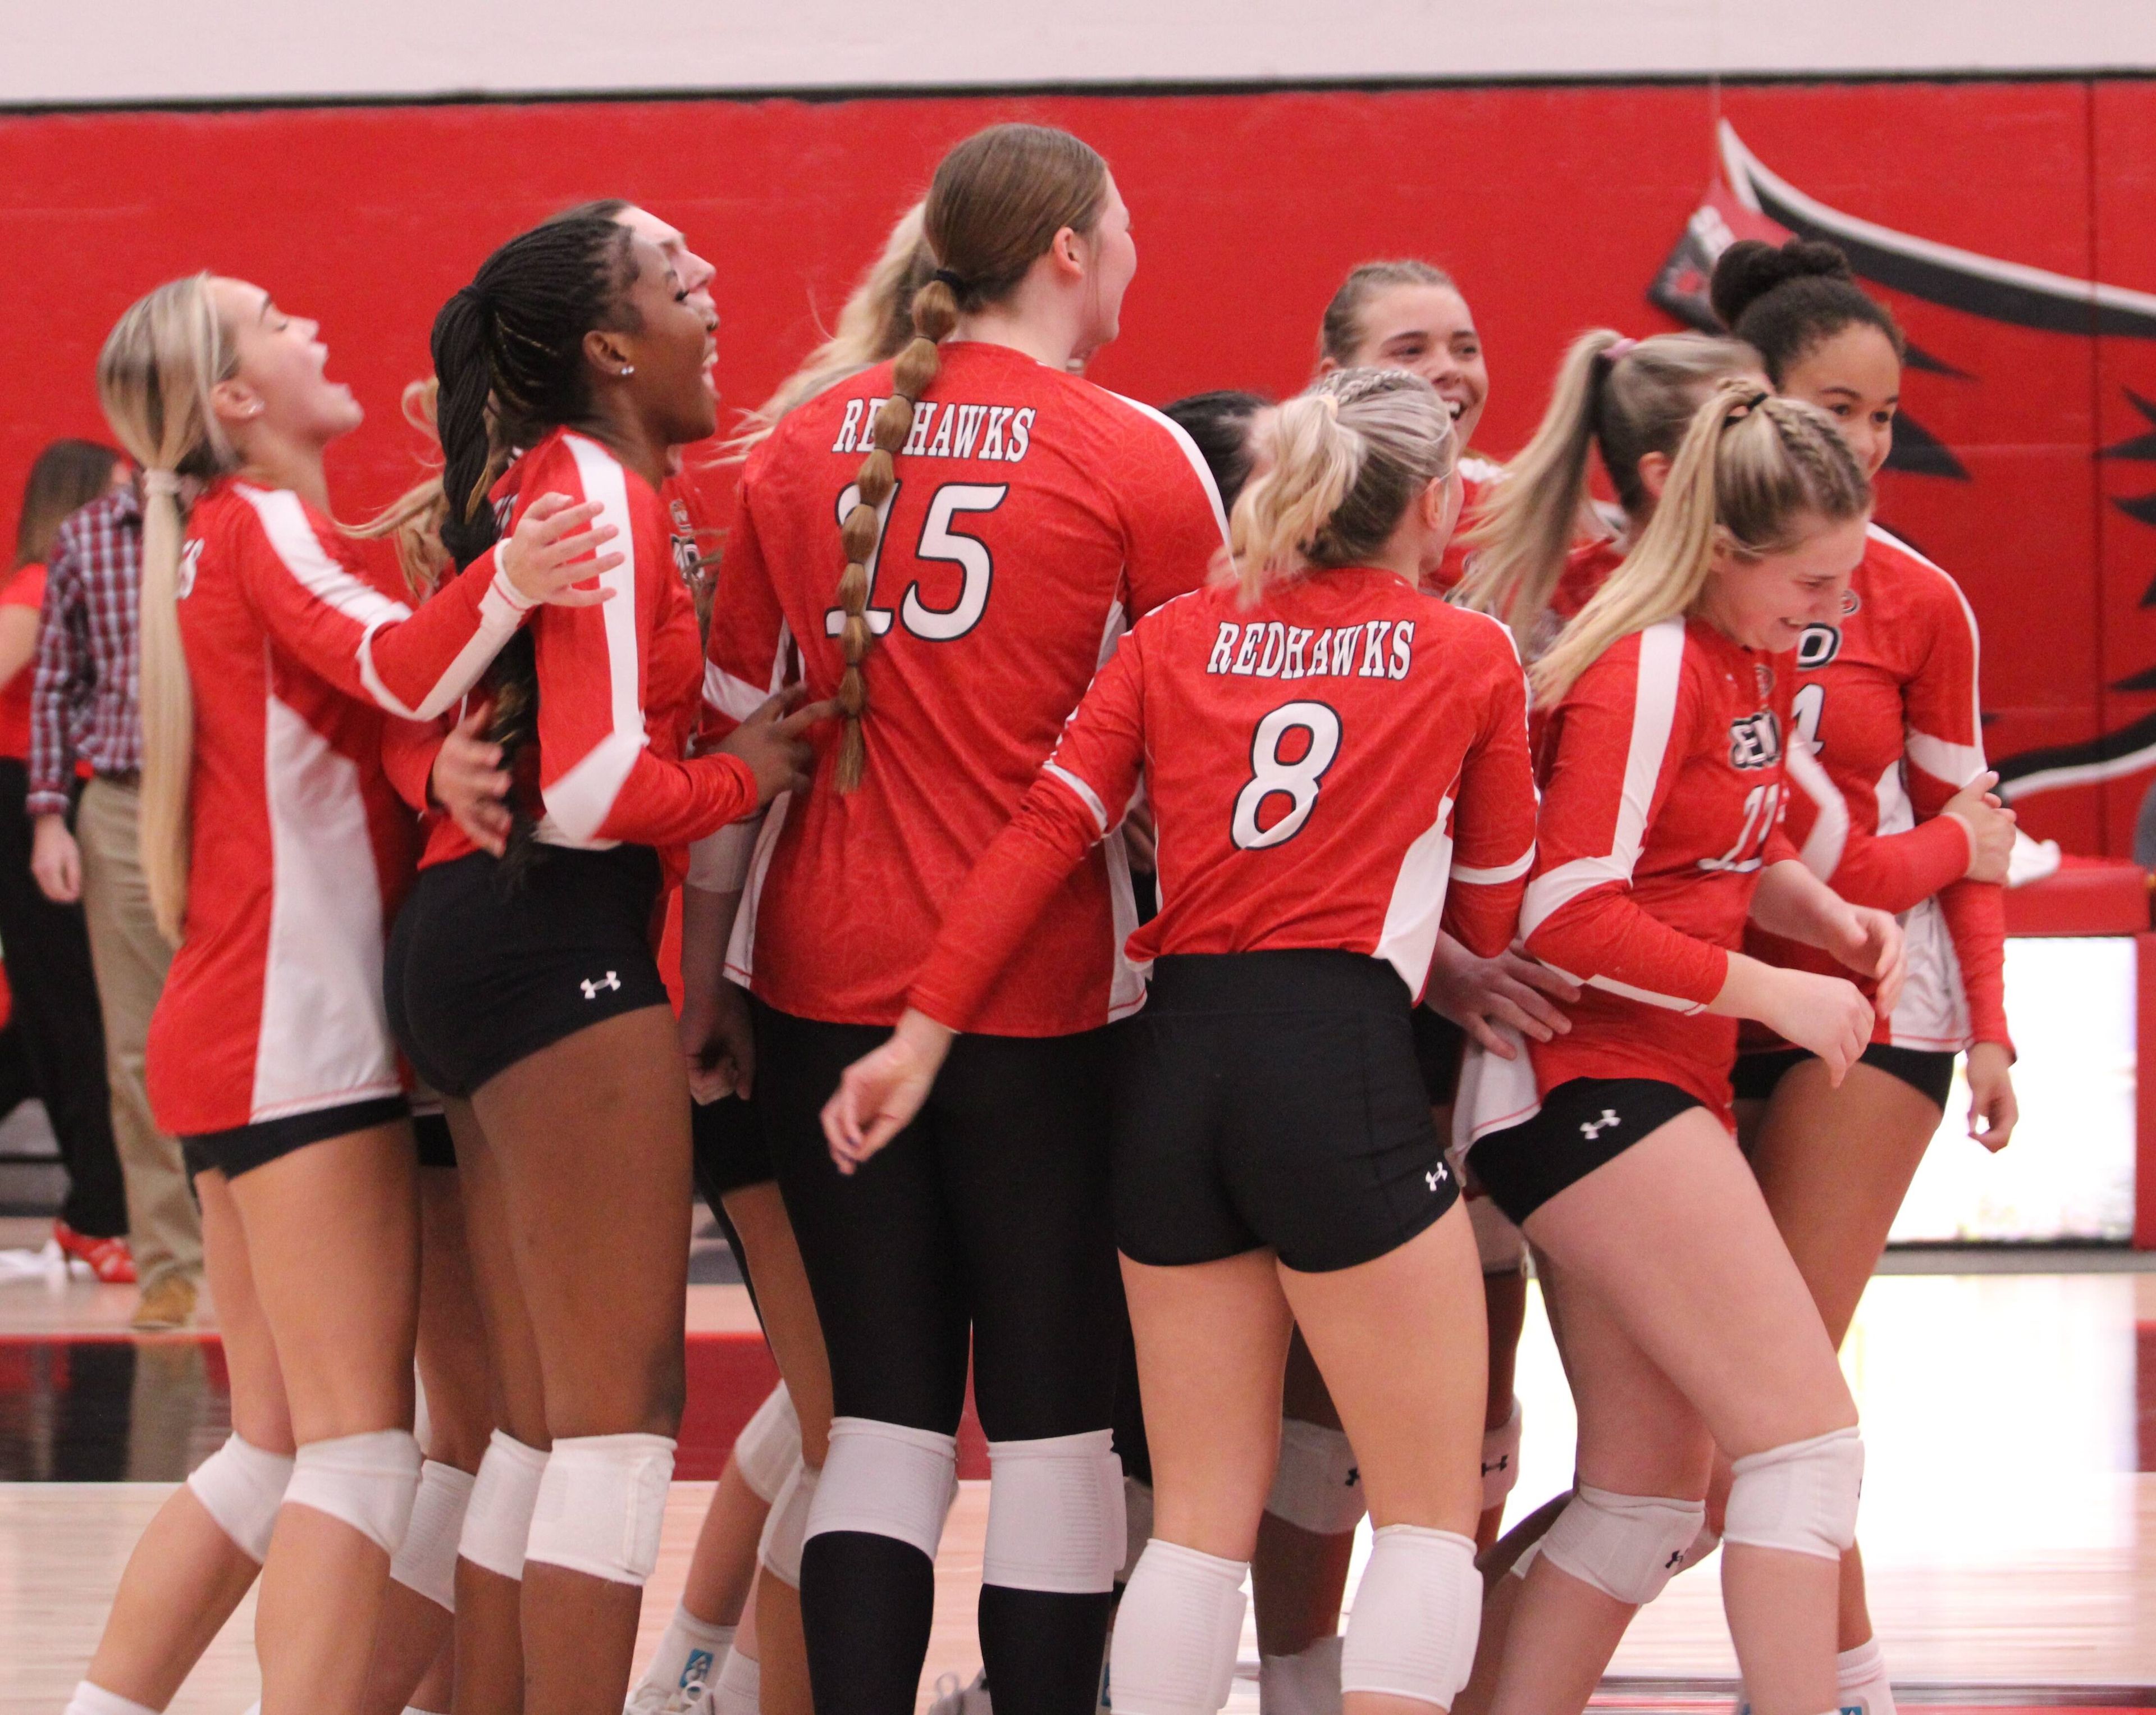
<point x="688" y="1695"/>
<point x="952" y="1698"/>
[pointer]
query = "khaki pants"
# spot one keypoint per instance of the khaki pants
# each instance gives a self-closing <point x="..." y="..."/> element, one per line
<point x="164" y="1229"/>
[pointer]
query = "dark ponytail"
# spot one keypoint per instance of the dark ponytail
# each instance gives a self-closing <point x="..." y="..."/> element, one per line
<point x="1783" y="302"/>
<point x="509" y="360"/>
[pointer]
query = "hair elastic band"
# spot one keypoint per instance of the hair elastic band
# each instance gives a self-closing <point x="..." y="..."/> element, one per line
<point x="1619" y="348"/>
<point x="956" y="282"/>
<point x="162" y="482"/>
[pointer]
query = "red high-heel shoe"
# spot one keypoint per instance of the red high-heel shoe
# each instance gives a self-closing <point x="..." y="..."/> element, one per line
<point x="108" y="1259"/>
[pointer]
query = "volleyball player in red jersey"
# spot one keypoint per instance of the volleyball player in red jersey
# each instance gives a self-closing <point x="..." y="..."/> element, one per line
<point x="524" y="988"/>
<point x="273" y="851"/>
<point x="1336" y="762"/>
<point x="1683" y="1322"/>
<point x="1886" y="697"/>
<point x="1003" y="532"/>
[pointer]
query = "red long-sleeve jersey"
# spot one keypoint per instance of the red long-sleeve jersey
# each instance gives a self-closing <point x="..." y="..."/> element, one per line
<point x="1887" y="703"/>
<point x="300" y="850"/>
<point x="1034" y="514"/>
<point x="1662" y="782"/>
<point x="617" y="682"/>
<point x="1342" y="765"/>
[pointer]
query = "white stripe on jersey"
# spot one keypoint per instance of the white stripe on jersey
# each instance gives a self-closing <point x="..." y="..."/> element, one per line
<point x="578" y="803"/>
<point x="1189" y="447"/>
<point x="323" y="1037"/>
<point x="1957" y="764"/>
<point x="1829" y="836"/>
<point x="1409" y="939"/>
<point x="1086" y="794"/>
<point x="1470" y="877"/>
<point x="1654" y="709"/>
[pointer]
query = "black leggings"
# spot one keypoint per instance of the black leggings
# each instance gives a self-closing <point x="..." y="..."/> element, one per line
<point x="983" y="1228"/>
<point x="58" y="1019"/>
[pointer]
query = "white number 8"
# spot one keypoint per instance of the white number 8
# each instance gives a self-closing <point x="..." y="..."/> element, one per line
<point x="1298" y="780"/>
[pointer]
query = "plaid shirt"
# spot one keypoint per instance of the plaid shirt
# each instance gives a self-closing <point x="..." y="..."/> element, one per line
<point x="83" y="701"/>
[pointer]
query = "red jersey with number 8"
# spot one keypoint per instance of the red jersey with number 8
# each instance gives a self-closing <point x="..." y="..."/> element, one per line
<point x="1342" y="765"/>
<point x="1034" y="514"/>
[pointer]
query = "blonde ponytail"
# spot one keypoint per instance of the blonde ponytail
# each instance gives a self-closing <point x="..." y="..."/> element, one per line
<point x="1624" y="398"/>
<point x="1346" y="459"/>
<point x="154" y="378"/>
<point x="1750" y="468"/>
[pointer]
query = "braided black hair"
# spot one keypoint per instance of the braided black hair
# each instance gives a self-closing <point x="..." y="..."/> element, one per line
<point x="1783" y="302"/>
<point x="509" y="356"/>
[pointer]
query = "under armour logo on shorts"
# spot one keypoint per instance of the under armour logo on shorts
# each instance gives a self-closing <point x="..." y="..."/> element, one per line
<point x="1437" y="1177"/>
<point x="592" y="989"/>
<point x="1591" y="1129"/>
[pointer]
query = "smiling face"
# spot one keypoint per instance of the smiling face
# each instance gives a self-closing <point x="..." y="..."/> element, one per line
<point x="1430" y="331"/>
<point x="694" y="274"/>
<point x="279" y="388"/>
<point x="1854" y="376"/>
<point x="669" y="347"/>
<point x="1766" y="603"/>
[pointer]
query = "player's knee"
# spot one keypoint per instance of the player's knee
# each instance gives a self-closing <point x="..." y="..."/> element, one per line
<point x="1055" y="1514"/>
<point x="497" y="1524"/>
<point x="241" y="1487"/>
<point x="368" y="1481"/>
<point x="769" y="1445"/>
<point x="1317" y="1486"/>
<point x="1626" y="1546"/>
<point x="1801" y="1497"/>
<point x="600" y="1506"/>
<point x="886" y="1479"/>
<point x="1176" y="1632"/>
<point x="786" y="1526"/>
<point x="1418" y="1613"/>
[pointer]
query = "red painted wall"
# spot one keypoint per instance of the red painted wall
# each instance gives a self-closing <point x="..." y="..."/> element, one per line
<point x="1554" y="207"/>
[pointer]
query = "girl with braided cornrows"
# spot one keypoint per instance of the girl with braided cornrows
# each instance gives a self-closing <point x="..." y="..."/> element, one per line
<point x="524" y="988"/>
<point x="1886" y="698"/>
<point x="1683" y="1322"/>
<point x="1337" y="761"/>
<point x="952" y="542"/>
<point x="270" y="657"/>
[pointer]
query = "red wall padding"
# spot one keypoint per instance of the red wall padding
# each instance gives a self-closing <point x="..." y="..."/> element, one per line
<point x="1554" y="207"/>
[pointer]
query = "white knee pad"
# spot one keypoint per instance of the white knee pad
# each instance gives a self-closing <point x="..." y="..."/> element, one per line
<point x="1418" y="1613"/>
<point x="1703" y="1545"/>
<point x="1500" y="1245"/>
<point x="426" y="1560"/>
<point x="888" y="1481"/>
<point x="1176" y="1632"/>
<point x="498" y="1516"/>
<point x="768" y="1444"/>
<point x="1317" y="1486"/>
<point x="1627" y="1546"/>
<point x="1501" y="1459"/>
<point x="1137" y="1524"/>
<point x="1055" y="1515"/>
<point x="1801" y="1497"/>
<point x="786" y="1526"/>
<point x="368" y="1481"/>
<point x="601" y="1503"/>
<point x="241" y="1486"/>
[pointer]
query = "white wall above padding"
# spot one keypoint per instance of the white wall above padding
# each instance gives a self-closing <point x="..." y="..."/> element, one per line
<point x="55" y="52"/>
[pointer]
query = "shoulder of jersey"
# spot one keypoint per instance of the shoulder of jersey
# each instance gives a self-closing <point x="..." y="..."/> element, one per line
<point x="1916" y="580"/>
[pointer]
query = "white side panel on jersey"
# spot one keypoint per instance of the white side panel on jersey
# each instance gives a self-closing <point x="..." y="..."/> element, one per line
<point x="414" y="48"/>
<point x="325" y="1036"/>
<point x="741" y="948"/>
<point x="579" y="802"/>
<point x="1493" y="1093"/>
<point x="1933" y="1012"/>
<point x="1409" y="936"/>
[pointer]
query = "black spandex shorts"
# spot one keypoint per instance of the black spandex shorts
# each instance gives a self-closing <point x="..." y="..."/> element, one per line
<point x="1273" y="1099"/>
<point x="731" y="1152"/>
<point x="1928" y="1073"/>
<point x="1584" y="1123"/>
<point x="431" y="1132"/>
<point x="233" y="1153"/>
<point x="480" y="975"/>
<point x="1439" y="1046"/>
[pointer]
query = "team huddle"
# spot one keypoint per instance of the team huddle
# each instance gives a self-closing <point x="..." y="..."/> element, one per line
<point x="1159" y="911"/>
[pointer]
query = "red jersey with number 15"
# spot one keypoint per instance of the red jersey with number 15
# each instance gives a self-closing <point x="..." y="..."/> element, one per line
<point x="1035" y="515"/>
<point x="1325" y="768"/>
